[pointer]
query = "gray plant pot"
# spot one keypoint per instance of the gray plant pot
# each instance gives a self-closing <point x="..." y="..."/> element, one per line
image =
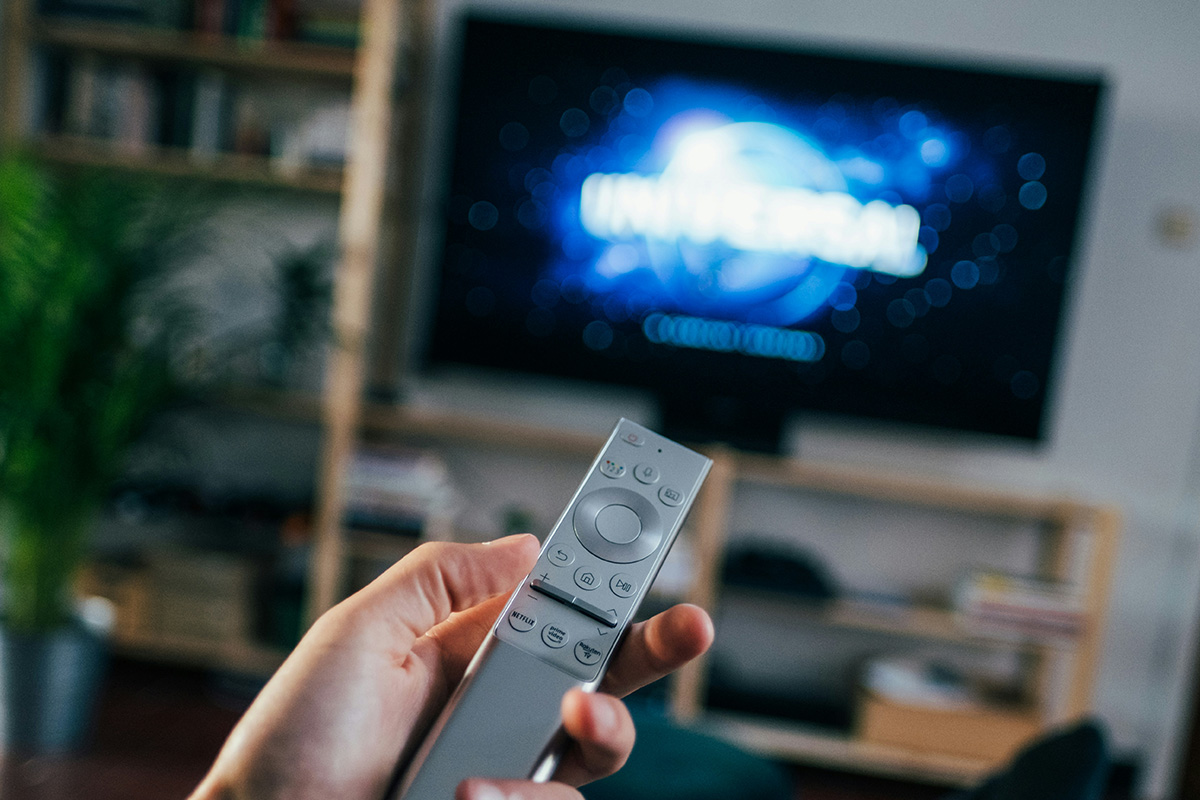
<point x="49" y="685"/>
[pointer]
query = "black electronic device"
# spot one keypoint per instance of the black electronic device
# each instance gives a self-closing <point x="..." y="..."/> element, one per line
<point x="750" y="230"/>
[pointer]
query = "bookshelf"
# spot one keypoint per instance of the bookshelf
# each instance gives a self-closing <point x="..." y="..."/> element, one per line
<point x="201" y="105"/>
<point x="42" y="55"/>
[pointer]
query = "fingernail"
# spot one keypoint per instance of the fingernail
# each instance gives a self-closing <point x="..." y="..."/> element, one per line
<point x="509" y="538"/>
<point x="604" y="718"/>
<point x="486" y="791"/>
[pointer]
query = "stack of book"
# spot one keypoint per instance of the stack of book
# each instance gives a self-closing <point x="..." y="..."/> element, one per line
<point x="135" y="107"/>
<point x="397" y="490"/>
<point x="1020" y="608"/>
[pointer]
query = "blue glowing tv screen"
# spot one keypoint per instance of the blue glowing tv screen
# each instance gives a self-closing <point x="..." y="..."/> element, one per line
<point x="750" y="231"/>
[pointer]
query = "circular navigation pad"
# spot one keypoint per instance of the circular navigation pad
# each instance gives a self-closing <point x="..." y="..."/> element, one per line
<point x="618" y="525"/>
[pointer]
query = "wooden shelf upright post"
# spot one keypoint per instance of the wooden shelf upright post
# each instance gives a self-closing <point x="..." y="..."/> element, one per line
<point x="362" y="210"/>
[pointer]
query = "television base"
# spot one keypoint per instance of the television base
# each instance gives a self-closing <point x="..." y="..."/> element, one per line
<point x="736" y="421"/>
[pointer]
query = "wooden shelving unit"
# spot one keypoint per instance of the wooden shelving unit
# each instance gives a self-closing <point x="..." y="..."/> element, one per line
<point x="27" y="36"/>
<point x="1066" y="528"/>
<point x="251" y="60"/>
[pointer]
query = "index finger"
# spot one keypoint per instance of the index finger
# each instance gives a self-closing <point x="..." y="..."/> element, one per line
<point x="437" y="579"/>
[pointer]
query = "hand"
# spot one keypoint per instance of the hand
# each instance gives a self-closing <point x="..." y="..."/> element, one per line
<point x="376" y="668"/>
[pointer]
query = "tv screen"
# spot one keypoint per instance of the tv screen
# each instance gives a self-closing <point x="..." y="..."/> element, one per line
<point x="751" y="231"/>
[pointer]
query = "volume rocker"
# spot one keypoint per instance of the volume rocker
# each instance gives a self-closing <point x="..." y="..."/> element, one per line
<point x="608" y="618"/>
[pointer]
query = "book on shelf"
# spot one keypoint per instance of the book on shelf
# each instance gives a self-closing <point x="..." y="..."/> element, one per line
<point x="397" y="490"/>
<point x="328" y="22"/>
<point x="246" y="19"/>
<point x="116" y="102"/>
<point x="1020" y="608"/>
<point x="135" y="106"/>
<point x="211" y="110"/>
<point x="325" y="21"/>
<point x="159" y="13"/>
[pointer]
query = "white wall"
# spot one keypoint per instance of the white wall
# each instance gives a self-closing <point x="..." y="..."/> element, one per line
<point x="1129" y="400"/>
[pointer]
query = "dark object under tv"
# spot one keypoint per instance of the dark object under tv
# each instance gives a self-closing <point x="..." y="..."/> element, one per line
<point x="749" y="230"/>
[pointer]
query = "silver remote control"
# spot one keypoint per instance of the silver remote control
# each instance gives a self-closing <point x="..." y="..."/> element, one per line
<point x="563" y="623"/>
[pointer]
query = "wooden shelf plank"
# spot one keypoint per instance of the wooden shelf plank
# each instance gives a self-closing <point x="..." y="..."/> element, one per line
<point x="917" y="621"/>
<point x="405" y="420"/>
<point x="159" y="44"/>
<point x="179" y="163"/>
<point x="237" y="656"/>
<point x="799" y="744"/>
<point x="914" y="490"/>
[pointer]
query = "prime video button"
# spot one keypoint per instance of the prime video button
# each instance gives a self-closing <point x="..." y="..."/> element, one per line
<point x="554" y="636"/>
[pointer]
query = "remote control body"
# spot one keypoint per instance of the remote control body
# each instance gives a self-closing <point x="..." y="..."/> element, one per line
<point x="565" y="620"/>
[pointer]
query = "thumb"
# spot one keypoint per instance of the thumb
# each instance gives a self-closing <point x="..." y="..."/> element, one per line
<point x="439" y="578"/>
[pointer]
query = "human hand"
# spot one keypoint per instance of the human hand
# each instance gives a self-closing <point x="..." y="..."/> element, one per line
<point x="375" y="669"/>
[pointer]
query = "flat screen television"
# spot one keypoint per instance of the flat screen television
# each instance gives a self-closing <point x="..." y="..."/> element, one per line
<point x="749" y="231"/>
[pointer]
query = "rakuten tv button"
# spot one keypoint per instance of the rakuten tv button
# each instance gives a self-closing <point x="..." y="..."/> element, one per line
<point x="587" y="653"/>
<point x="555" y="636"/>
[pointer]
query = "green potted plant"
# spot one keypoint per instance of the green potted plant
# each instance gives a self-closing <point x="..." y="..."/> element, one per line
<point x="88" y="340"/>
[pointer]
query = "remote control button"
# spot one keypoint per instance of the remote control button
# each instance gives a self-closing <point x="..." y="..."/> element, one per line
<point x="606" y="616"/>
<point x="560" y="555"/>
<point x="623" y="585"/>
<point x="646" y="473"/>
<point x="587" y="579"/>
<point x="555" y="636"/>
<point x="618" y="524"/>
<point x="520" y="621"/>
<point x="670" y="496"/>
<point x="634" y="438"/>
<point x="550" y="590"/>
<point x="588" y="509"/>
<point x="588" y="654"/>
<point x="612" y="469"/>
